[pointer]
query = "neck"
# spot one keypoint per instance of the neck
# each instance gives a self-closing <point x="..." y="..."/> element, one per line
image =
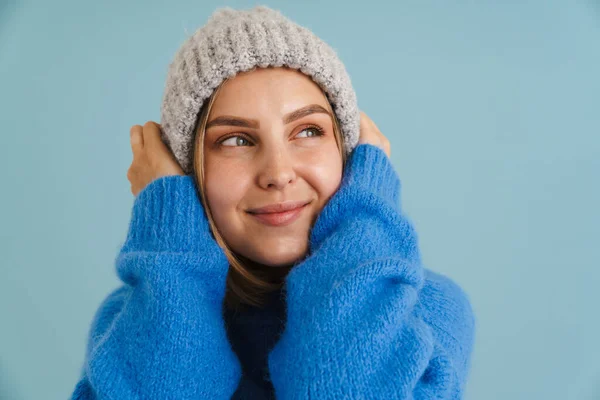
<point x="275" y="274"/>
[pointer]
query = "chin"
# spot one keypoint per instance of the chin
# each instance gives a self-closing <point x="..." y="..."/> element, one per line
<point x="278" y="256"/>
<point x="280" y="260"/>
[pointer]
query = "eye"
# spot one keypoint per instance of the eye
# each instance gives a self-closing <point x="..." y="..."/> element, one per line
<point x="241" y="141"/>
<point x="235" y="140"/>
<point x="314" y="129"/>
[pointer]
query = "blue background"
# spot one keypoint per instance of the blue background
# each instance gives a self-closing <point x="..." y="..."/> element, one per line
<point x="493" y="112"/>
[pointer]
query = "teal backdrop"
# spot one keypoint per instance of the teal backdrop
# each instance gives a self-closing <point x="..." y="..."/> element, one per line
<point x="493" y="112"/>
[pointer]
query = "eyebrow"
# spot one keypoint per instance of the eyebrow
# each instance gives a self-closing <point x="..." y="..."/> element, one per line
<point x="228" y="120"/>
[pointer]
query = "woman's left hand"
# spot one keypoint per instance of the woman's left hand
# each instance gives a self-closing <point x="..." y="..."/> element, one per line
<point x="369" y="133"/>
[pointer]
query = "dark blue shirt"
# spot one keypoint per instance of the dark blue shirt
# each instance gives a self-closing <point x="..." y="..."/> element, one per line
<point x="253" y="332"/>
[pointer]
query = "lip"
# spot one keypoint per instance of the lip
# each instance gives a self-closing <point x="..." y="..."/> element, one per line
<point x="278" y="207"/>
<point x="285" y="214"/>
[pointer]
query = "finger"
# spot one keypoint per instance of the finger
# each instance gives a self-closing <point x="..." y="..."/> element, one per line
<point x="157" y="150"/>
<point x="136" y="139"/>
<point x="152" y="141"/>
<point x="131" y="175"/>
<point x="367" y="123"/>
<point x="371" y="123"/>
<point x="363" y="123"/>
<point x="363" y="118"/>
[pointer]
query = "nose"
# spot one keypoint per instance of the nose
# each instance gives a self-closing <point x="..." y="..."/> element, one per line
<point x="278" y="170"/>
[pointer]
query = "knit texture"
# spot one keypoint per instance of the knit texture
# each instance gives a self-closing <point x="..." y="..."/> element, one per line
<point x="234" y="41"/>
<point x="362" y="321"/>
<point x="161" y="334"/>
<point x="365" y="320"/>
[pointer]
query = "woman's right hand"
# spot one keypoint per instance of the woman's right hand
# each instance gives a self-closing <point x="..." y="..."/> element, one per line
<point x="151" y="157"/>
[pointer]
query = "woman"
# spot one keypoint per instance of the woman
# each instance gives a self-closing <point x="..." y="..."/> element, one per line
<point x="267" y="255"/>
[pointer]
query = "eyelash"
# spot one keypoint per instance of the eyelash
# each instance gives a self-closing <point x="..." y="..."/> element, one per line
<point x="320" y="132"/>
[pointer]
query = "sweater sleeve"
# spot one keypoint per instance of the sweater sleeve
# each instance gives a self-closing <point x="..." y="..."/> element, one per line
<point x="363" y="320"/>
<point x="161" y="334"/>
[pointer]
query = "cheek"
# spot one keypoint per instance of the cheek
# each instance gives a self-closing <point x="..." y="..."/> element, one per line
<point x="225" y="188"/>
<point x="324" y="173"/>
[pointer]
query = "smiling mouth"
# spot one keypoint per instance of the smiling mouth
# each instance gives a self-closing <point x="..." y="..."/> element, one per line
<point x="283" y="218"/>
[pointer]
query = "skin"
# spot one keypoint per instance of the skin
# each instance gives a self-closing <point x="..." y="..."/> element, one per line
<point x="273" y="163"/>
<point x="252" y="167"/>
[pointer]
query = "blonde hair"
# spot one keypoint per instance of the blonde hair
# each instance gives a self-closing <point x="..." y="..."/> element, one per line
<point x="245" y="285"/>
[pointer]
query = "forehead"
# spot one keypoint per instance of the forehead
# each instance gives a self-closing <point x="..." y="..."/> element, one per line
<point x="277" y="89"/>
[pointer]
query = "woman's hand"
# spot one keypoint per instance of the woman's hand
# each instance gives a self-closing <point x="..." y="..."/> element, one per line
<point x="369" y="133"/>
<point x="151" y="157"/>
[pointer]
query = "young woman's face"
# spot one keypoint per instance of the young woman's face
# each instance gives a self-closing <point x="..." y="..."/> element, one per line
<point x="261" y="150"/>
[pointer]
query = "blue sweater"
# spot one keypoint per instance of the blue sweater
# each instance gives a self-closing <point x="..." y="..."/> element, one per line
<point x="362" y="317"/>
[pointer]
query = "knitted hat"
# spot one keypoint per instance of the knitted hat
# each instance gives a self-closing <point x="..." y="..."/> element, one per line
<point x="234" y="41"/>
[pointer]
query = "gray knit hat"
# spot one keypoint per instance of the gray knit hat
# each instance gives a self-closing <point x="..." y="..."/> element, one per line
<point x="234" y="41"/>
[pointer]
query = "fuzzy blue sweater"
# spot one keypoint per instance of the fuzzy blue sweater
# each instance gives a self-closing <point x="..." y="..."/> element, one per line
<point x="363" y="318"/>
